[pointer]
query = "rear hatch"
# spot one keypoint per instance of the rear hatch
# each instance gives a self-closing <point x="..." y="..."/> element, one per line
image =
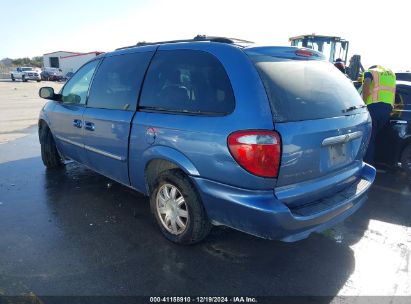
<point x="323" y="122"/>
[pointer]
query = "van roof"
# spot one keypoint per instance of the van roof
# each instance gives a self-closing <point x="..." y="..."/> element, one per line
<point x="198" y="38"/>
<point x="248" y="47"/>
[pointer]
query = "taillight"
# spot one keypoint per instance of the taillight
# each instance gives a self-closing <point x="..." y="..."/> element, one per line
<point x="258" y="152"/>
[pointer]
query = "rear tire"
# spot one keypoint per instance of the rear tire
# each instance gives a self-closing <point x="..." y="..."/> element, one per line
<point x="49" y="154"/>
<point x="12" y="78"/>
<point x="192" y="215"/>
<point x="406" y="159"/>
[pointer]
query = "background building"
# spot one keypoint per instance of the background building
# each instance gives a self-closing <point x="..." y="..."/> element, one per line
<point x="67" y="61"/>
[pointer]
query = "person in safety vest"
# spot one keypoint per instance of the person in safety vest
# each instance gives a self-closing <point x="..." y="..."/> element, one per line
<point x="378" y="94"/>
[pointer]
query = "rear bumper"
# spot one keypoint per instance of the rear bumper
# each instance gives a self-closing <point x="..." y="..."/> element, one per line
<point x="260" y="213"/>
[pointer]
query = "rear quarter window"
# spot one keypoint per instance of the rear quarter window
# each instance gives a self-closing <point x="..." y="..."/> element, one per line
<point x="304" y="90"/>
<point x="187" y="81"/>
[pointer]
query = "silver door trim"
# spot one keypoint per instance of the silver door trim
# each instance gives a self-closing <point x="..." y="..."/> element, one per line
<point x="101" y="152"/>
<point x="400" y="122"/>
<point x="70" y="141"/>
<point x="340" y="139"/>
<point x="92" y="149"/>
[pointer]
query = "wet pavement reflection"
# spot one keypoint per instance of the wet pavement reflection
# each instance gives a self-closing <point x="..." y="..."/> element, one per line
<point x="75" y="232"/>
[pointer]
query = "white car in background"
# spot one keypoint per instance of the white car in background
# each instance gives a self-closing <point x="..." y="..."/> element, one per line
<point x="25" y="74"/>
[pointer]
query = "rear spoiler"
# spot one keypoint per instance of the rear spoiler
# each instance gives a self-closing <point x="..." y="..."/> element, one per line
<point x="288" y="52"/>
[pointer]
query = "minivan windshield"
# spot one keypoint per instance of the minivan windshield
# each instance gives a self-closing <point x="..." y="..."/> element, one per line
<point x="306" y="89"/>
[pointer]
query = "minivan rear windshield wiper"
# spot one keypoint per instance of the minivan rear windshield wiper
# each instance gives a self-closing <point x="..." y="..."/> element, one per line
<point x="354" y="108"/>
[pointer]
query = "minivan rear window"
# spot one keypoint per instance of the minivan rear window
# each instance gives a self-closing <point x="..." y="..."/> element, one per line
<point x="306" y="89"/>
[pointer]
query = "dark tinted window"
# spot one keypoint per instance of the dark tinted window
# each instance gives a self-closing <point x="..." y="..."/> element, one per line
<point x="407" y="99"/>
<point x="75" y="91"/>
<point x="118" y="80"/>
<point x="187" y="81"/>
<point x="406" y="95"/>
<point x="304" y="90"/>
<point x="399" y="100"/>
<point x="403" y="76"/>
<point x="402" y="101"/>
<point x="402" y="98"/>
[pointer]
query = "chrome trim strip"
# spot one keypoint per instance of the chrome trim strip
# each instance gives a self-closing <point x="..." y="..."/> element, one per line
<point x="98" y="151"/>
<point x="341" y="138"/>
<point x="70" y="141"/>
<point x="400" y="122"/>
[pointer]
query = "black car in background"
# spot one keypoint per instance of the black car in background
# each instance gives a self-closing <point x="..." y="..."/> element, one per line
<point x="393" y="145"/>
<point x="68" y="75"/>
<point x="403" y="76"/>
<point x="52" y="74"/>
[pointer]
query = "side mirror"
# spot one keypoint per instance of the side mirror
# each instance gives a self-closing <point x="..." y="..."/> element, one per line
<point x="47" y="93"/>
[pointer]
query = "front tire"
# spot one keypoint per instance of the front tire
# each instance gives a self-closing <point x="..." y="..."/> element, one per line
<point x="23" y="78"/>
<point x="178" y="210"/>
<point x="406" y="159"/>
<point x="49" y="154"/>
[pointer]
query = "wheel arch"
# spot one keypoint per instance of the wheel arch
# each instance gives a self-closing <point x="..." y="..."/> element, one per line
<point x="161" y="159"/>
<point x="42" y="124"/>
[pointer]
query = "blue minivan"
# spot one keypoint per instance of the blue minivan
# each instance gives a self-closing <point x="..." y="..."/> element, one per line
<point x="216" y="131"/>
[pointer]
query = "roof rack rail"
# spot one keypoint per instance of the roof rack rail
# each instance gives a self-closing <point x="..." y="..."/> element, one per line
<point x="195" y="39"/>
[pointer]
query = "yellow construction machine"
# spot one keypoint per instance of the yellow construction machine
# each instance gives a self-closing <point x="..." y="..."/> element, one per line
<point x="334" y="48"/>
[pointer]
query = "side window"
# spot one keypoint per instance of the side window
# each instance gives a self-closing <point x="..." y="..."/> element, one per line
<point x="402" y="102"/>
<point x="118" y="80"/>
<point x="402" y="99"/>
<point x="407" y="98"/>
<point x="399" y="101"/>
<point x="75" y="91"/>
<point x="187" y="81"/>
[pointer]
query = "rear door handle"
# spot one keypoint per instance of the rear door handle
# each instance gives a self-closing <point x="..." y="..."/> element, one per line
<point x="341" y="139"/>
<point x="89" y="126"/>
<point x="77" y="123"/>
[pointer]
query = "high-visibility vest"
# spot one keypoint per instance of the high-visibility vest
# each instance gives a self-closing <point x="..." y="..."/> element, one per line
<point x="382" y="88"/>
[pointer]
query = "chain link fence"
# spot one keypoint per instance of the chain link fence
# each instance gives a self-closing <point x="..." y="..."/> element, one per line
<point x="5" y="72"/>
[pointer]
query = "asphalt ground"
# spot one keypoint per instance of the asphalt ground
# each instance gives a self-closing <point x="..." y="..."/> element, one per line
<point x="73" y="232"/>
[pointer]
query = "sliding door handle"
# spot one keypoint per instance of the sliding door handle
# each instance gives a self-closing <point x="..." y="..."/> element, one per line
<point x="77" y="123"/>
<point x="89" y="126"/>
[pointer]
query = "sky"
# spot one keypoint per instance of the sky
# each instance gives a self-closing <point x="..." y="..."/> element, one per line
<point x="377" y="30"/>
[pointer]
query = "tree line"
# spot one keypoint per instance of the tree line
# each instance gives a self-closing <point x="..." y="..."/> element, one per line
<point x="36" y="61"/>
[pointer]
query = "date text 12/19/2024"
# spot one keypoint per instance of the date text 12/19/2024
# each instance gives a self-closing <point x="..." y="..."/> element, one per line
<point x="203" y="300"/>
